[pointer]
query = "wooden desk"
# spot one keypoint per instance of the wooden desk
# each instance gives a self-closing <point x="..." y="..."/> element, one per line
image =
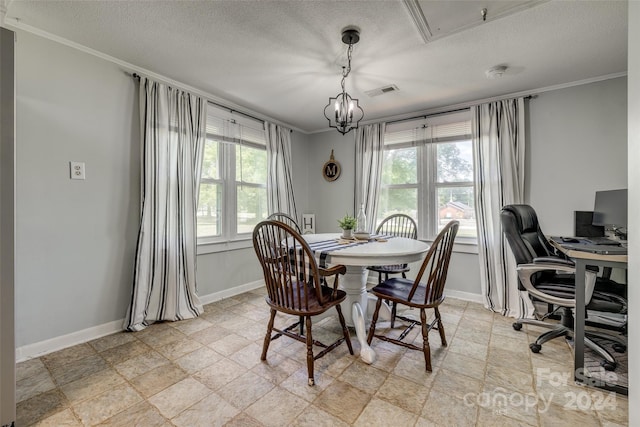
<point x="582" y="260"/>
<point x="396" y="250"/>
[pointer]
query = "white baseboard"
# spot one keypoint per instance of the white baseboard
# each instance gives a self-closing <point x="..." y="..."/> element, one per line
<point x="465" y="296"/>
<point x="41" y="348"/>
<point x="228" y="293"/>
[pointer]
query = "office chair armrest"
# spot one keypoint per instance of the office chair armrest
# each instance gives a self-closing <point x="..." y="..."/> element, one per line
<point x="553" y="260"/>
<point x="525" y="271"/>
<point x="566" y="261"/>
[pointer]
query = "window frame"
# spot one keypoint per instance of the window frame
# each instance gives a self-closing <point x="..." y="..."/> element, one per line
<point x="229" y="236"/>
<point x="236" y="184"/>
<point x="428" y="184"/>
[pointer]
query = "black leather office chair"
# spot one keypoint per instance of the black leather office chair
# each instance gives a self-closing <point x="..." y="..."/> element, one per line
<point x="550" y="278"/>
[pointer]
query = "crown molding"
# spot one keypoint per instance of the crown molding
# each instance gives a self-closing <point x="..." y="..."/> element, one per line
<point x="132" y="68"/>
<point x="469" y="104"/>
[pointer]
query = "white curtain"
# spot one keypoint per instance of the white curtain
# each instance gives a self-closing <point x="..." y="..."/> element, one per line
<point x="369" y="155"/>
<point x="173" y="127"/>
<point x="499" y="152"/>
<point x="280" y="195"/>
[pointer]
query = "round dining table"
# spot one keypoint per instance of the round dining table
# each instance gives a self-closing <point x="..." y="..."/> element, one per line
<point x="357" y="256"/>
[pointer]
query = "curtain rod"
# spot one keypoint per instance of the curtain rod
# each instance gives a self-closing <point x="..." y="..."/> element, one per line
<point x="231" y="110"/>
<point x="424" y="116"/>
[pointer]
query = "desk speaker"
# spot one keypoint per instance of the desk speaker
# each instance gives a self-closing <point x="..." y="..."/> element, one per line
<point x="583" y="226"/>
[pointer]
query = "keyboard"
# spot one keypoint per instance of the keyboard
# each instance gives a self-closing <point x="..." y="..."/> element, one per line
<point x="596" y="249"/>
<point x="602" y="241"/>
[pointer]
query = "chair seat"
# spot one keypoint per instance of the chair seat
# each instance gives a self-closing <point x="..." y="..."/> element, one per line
<point x="600" y="301"/>
<point x="390" y="269"/>
<point x="419" y="295"/>
<point x="315" y="307"/>
<point x="398" y="289"/>
<point x="602" y="284"/>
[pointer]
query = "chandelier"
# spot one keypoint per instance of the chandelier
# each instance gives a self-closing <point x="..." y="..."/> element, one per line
<point x="342" y="108"/>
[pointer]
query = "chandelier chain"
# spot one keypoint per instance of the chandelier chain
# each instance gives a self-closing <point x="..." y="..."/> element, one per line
<point x="346" y="70"/>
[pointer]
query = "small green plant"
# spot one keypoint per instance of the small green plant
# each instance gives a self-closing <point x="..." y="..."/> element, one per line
<point x="348" y="222"/>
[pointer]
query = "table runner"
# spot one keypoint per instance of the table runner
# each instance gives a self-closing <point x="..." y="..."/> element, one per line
<point x="322" y="248"/>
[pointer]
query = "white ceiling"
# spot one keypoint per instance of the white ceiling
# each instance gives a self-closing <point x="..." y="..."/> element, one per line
<point x="283" y="59"/>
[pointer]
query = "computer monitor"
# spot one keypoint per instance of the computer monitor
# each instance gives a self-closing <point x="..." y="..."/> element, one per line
<point x="610" y="211"/>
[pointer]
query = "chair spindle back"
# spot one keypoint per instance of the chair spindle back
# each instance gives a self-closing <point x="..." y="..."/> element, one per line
<point x="398" y="225"/>
<point x="287" y="219"/>
<point x="436" y="264"/>
<point x="289" y="267"/>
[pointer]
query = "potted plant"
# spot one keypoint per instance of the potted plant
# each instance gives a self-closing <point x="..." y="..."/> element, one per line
<point x="347" y="223"/>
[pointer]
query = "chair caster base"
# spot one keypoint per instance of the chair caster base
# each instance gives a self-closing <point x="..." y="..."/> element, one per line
<point x="535" y="348"/>
<point x="608" y="366"/>
<point x="517" y="326"/>
<point x="619" y="348"/>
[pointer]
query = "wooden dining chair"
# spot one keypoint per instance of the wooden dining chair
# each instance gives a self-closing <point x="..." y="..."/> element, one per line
<point x="397" y="225"/>
<point x="419" y="294"/>
<point x="290" y="221"/>
<point x="287" y="219"/>
<point x="294" y="286"/>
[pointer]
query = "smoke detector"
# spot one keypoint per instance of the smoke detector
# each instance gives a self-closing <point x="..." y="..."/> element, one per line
<point x="495" y="72"/>
<point x="382" y="90"/>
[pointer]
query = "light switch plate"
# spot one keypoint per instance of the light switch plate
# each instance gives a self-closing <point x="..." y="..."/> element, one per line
<point x="77" y="170"/>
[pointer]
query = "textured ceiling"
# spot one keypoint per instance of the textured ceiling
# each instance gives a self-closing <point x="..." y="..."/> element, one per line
<point x="283" y="58"/>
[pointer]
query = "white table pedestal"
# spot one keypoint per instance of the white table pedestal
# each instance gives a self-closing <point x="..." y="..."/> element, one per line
<point x="356" y="308"/>
<point x="354" y="283"/>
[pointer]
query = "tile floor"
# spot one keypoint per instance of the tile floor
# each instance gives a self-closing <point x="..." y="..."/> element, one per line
<point x="207" y="372"/>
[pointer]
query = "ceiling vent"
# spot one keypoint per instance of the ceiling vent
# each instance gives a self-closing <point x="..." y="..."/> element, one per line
<point x="382" y="90"/>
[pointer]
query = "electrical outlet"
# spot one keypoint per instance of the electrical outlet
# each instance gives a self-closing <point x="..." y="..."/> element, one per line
<point x="77" y="170"/>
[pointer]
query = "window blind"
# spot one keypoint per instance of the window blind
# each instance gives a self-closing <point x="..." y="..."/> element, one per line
<point x="452" y="127"/>
<point x="225" y="126"/>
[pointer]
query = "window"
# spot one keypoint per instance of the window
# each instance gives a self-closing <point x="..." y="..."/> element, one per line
<point x="427" y="173"/>
<point x="233" y="183"/>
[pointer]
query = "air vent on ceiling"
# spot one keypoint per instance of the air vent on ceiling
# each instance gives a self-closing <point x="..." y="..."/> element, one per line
<point x="382" y="90"/>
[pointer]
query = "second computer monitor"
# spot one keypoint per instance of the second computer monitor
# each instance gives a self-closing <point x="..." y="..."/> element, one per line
<point x="610" y="209"/>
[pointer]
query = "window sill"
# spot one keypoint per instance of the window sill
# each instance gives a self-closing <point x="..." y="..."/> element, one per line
<point x="462" y="247"/>
<point x="224" y="246"/>
<point x="470" y="247"/>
